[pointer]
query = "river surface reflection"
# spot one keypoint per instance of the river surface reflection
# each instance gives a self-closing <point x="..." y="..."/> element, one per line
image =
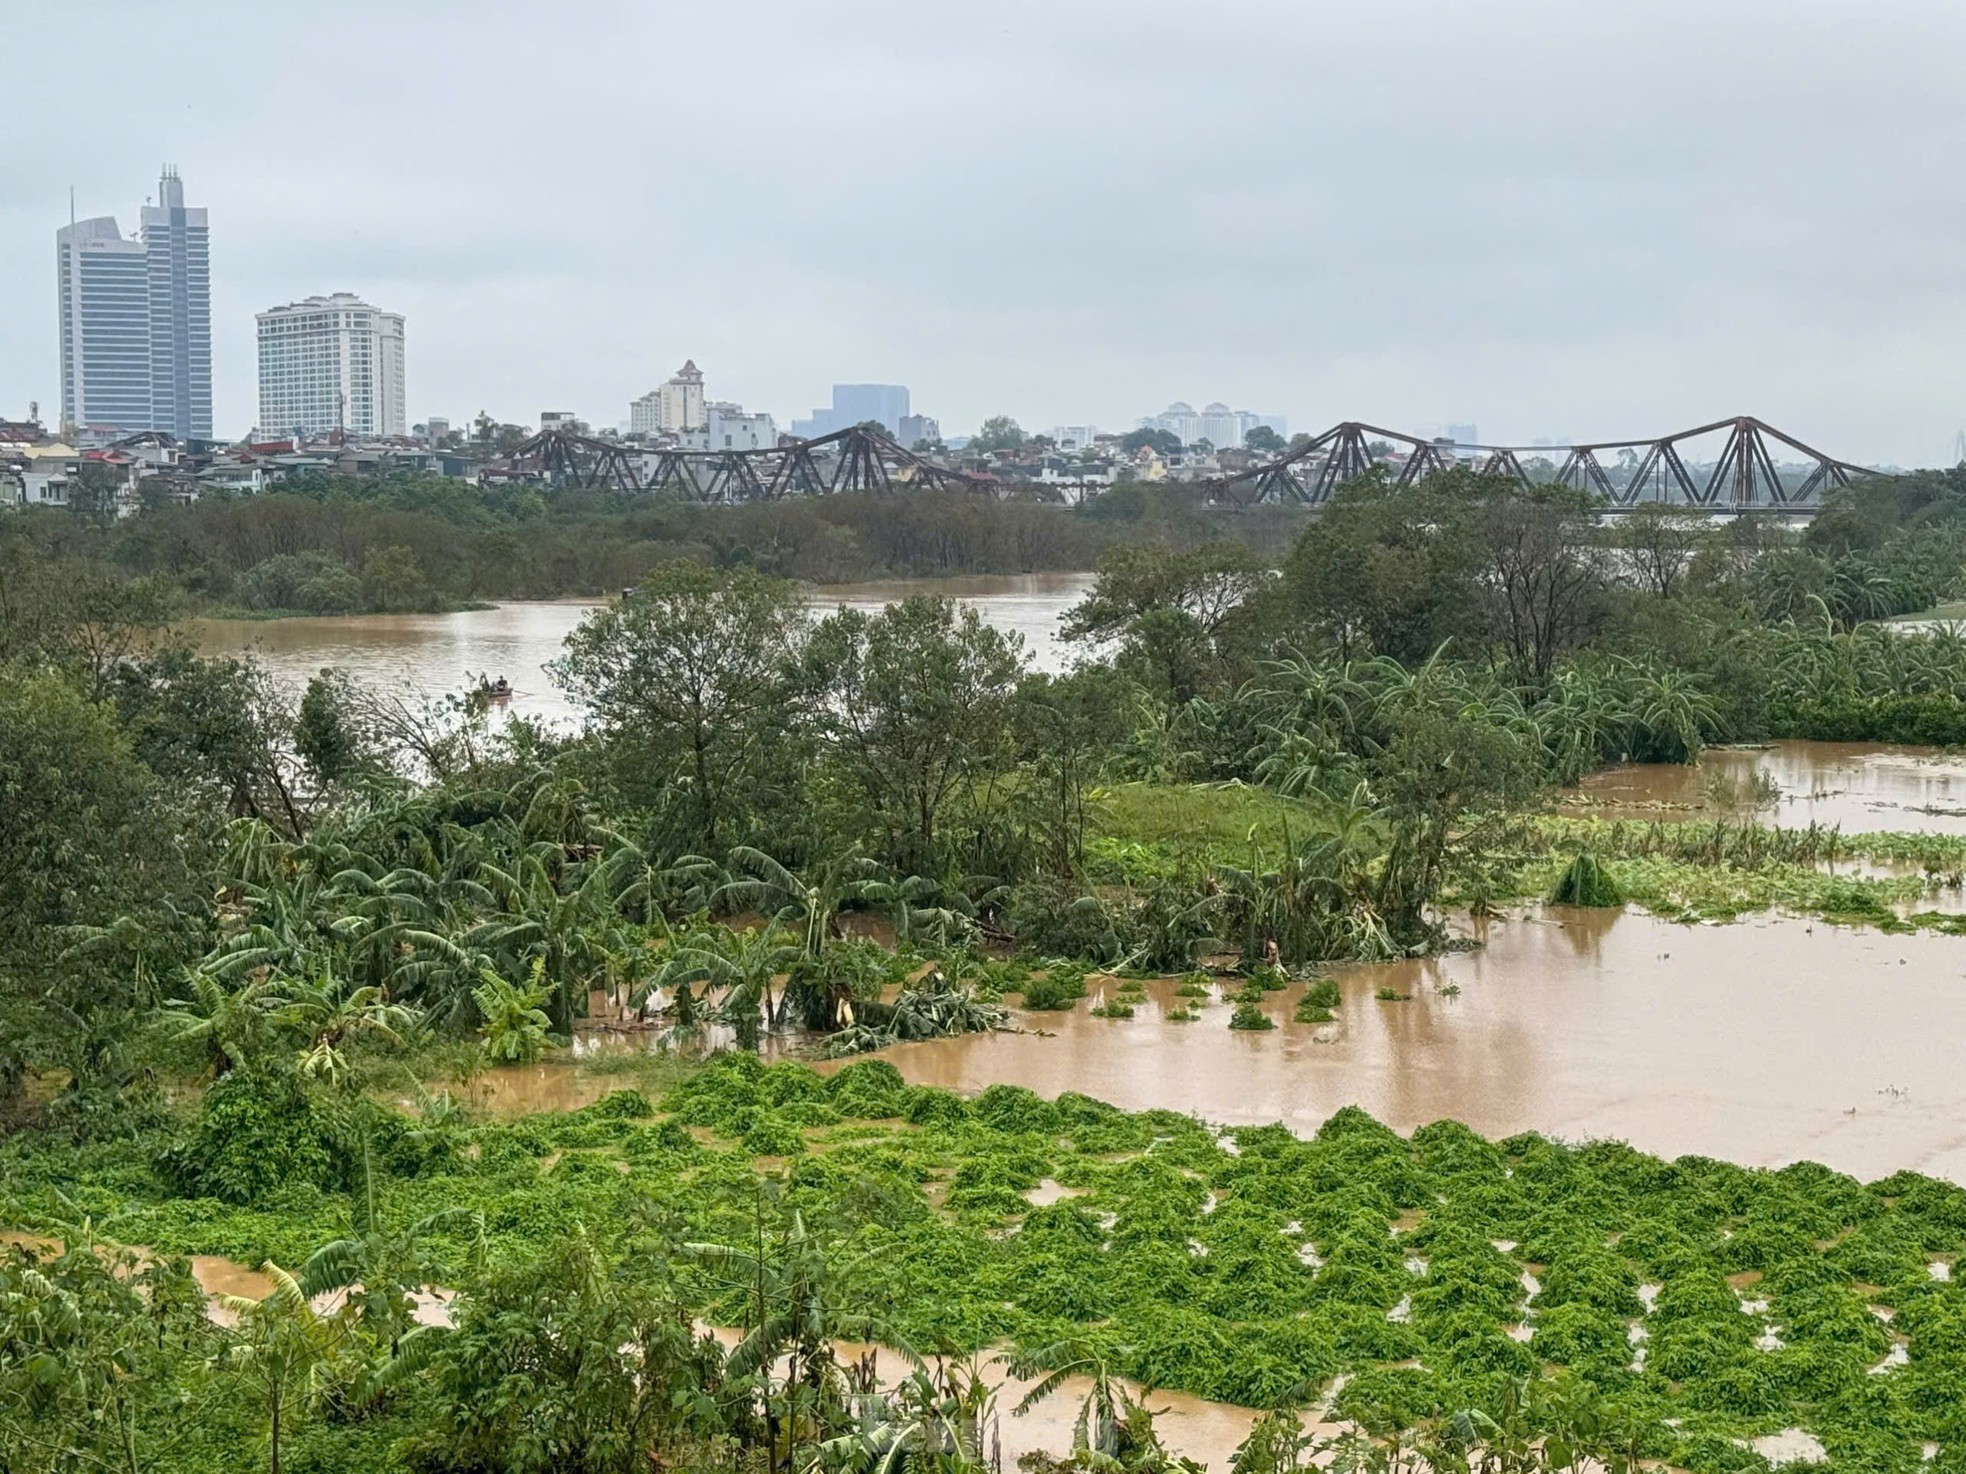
<point x="1764" y="1042"/>
<point x="431" y="655"/>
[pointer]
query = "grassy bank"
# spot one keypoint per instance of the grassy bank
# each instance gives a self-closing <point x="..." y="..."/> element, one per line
<point x="1681" y="871"/>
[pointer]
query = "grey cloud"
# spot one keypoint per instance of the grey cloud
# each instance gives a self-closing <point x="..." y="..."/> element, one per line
<point x="1546" y="217"/>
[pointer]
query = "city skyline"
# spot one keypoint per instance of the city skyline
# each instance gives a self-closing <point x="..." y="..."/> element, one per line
<point x="1399" y="244"/>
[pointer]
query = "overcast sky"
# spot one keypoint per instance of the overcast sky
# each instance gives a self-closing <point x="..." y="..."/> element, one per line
<point x="1586" y="218"/>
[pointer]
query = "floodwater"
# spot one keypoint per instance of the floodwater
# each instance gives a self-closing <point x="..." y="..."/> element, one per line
<point x="1208" y="1431"/>
<point x="431" y="655"/>
<point x="1765" y="1042"/>
<point x="1030" y="604"/>
<point x="523" y="1090"/>
<point x="1855" y="786"/>
<point x="1205" y="1430"/>
<point x="218" y="1277"/>
<point x="214" y="1275"/>
<point x="1771" y="1040"/>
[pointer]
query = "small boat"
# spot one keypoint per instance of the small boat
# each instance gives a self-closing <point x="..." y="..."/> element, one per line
<point x="498" y="690"/>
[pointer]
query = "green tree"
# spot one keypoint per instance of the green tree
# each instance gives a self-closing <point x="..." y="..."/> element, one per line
<point x="328" y="1016"/>
<point x="393" y="581"/>
<point x="564" y="1361"/>
<point x="1069" y="728"/>
<point x="1374" y="574"/>
<point x="687" y="679"/>
<point x="1448" y="753"/>
<point x="286" y="1352"/>
<point x="93" y="492"/>
<point x="88" y="835"/>
<point x="1103" y="1409"/>
<point x="796" y="1302"/>
<point x="230" y="1027"/>
<point x="1263" y="440"/>
<point x="381" y="1268"/>
<point x="95" y="1348"/>
<point x="1169" y="608"/>
<point x="77" y="615"/>
<point x="219" y="726"/>
<point x="1207" y="583"/>
<point x="1539" y="571"/>
<point x="1166" y="442"/>
<point x="312" y="582"/>
<point x="999" y="432"/>
<point x="516" y="1027"/>
<point x="914" y="701"/>
<point x="326" y="737"/>
<point x="1657" y="543"/>
<point x="1479" y="561"/>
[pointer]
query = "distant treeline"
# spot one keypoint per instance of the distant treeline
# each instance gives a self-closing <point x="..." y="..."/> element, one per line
<point x="328" y="544"/>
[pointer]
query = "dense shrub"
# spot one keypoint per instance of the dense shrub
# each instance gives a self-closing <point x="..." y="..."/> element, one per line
<point x="257" y="1130"/>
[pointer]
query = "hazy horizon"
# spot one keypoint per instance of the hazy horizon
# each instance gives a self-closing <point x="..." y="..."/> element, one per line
<point x="1546" y="220"/>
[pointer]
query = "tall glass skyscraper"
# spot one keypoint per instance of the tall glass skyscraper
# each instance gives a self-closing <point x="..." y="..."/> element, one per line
<point x="177" y="243"/>
<point x="136" y="321"/>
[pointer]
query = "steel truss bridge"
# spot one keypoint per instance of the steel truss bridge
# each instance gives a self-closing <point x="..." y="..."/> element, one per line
<point x="859" y="459"/>
<point x="1625" y="473"/>
<point x="1743" y="478"/>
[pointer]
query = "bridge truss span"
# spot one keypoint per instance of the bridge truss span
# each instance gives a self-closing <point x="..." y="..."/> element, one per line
<point x="856" y="459"/>
<point x="1744" y="474"/>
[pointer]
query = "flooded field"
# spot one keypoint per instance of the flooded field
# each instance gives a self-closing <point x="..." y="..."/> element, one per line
<point x="1195" y="1426"/>
<point x="430" y="655"/>
<point x="1765" y="1042"/>
<point x="1854" y="786"/>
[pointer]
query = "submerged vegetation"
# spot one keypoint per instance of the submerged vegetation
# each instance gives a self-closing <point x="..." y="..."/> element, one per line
<point x="1716" y="871"/>
<point x="1401" y="1282"/>
<point x="1584" y="883"/>
<point x="246" y="926"/>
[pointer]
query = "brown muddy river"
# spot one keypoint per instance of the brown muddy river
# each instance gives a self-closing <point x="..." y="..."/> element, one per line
<point x="1854" y="786"/>
<point x="1765" y="1042"/>
<point x="431" y="655"/>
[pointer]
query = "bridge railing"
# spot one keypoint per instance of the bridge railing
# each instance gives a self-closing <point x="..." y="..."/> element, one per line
<point x="854" y="459"/>
<point x="1742" y="477"/>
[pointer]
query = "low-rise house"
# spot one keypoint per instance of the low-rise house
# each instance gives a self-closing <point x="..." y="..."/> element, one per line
<point x="48" y="473"/>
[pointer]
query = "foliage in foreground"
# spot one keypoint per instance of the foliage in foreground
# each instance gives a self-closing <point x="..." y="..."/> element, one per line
<point x="1737" y="1302"/>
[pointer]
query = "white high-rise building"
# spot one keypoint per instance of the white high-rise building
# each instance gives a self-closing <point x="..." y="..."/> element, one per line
<point x="680" y="401"/>
<point x="674" y="409"/>
<point x="136" y="321"/>
<point x="331" y="363"/>
<point x="105" y="329"/>
<point x="1219" y="425"/>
